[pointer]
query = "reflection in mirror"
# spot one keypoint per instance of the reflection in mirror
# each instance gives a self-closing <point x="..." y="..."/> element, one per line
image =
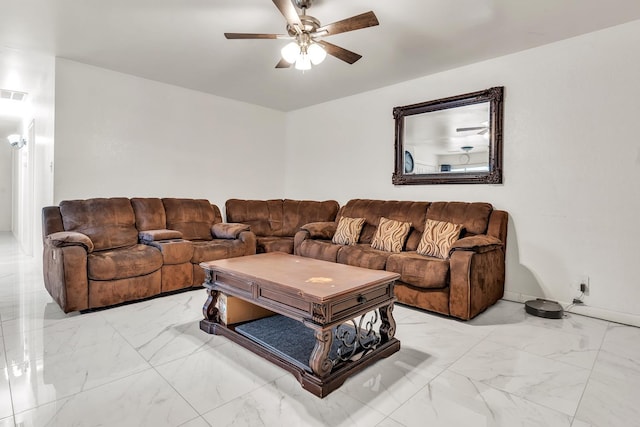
<point x="455" y="140"/>
<point x="452" y="140"/>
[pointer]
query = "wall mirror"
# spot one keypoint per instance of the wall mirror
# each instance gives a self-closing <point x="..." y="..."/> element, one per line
<point x="456" y="140"/>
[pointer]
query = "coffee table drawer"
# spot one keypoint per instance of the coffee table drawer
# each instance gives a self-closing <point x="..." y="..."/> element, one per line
<point x="239" y="285"/>
<point x="356" y="302"/>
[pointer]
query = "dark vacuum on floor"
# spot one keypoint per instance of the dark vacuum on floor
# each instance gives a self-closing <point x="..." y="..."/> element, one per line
<point x="544" y="308"/>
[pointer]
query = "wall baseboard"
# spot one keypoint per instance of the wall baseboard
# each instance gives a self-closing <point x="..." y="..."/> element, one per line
<point x="583" y="309"/>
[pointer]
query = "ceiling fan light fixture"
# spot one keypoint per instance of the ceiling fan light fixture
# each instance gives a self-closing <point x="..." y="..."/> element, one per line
<point x="303" y="63"/>
<point x="291" y="52"/>
<point x="316" y="53"/>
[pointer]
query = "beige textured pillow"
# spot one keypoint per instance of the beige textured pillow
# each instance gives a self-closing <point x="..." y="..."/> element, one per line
<point x="390" y="235"/>
<point x="438" y="237"/>
<point x="348" y="231"/>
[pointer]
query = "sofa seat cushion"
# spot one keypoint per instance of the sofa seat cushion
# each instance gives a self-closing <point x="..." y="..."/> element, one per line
<point x="274" y="244"/>
<point x="363" y="255"/>
<point x="212" y="250"/>
<point x="123" y="263"/>
<point x="324" y="250"/>
<point x="419" y="270"/>
<point x="175" y="251"/>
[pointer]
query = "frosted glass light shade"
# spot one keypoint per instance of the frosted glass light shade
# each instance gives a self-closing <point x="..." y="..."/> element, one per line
<point x="316" y="53"/>
<point x="290" y="52"/>
<point x="303" y="63"/>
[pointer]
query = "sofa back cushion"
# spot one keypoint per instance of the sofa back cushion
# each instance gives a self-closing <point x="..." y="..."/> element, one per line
<point x="296" y="213"/>
<point x="109" y="223"/>
<point x="474" y="217"/>
<point x="373" y="210"/>
<point x="278" y="217"/>
<point x="149" y="214"/>
<point x="263" y="216"/>
<point x="192" y="217"/>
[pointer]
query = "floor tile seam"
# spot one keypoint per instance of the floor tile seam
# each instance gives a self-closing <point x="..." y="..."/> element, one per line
<point x="591" y="372"/>
<point x="6" y="364"/>
<point x="166" y="380"/>
<point x="172" y="359"/>
<point x="261" y="386"/>
<point x="166" y="362"/>
<point x="85" y="390"/>
<point x="553" y="329"/>
<point x="523" y="397"/>
<point x="428" y="384"/>
<point x="42" y="357"/>
<point x="193" y="419"/>
<point x="449" y="368"/>
<point x="546" y="357"/>
<point x="519" y="396"/>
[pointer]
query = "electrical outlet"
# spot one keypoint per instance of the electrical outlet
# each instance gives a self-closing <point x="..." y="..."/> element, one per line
<point x="584" y="285"/>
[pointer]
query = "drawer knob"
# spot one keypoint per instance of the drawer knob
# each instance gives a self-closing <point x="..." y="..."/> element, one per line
<point x="362" y="299"/>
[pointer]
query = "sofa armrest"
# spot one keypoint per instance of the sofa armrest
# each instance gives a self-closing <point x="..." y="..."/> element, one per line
<point x="69" y="238"/>
<point x="249" y="240"/>
<point x="320" y="230"/>
<point x="228" y="230"/>
<point x="476" y="281"/>
<point x="478" y="244"/>
<point x="149" y="236"/>
<point x="65" y="275"/>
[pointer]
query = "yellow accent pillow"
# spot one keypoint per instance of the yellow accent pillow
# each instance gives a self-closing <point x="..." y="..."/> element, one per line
<point x="390" y="235"/>
<point x="348" y="231"/>
<point x="438" y="237"/>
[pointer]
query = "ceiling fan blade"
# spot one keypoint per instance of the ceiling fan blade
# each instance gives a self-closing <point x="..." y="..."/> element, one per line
<point x="255" y="36"/>
<point x="367" y="19"/>
<point x="290" y="13"/>
<point x="283" y="64"/>
<point x="471" y="128"/>
<point x="339" y="52"/>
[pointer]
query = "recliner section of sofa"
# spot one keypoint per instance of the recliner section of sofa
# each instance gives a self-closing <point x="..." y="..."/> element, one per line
<point x="275" y="222"/>
<point x="462" y="286"/>
<point x="101" y="252"/>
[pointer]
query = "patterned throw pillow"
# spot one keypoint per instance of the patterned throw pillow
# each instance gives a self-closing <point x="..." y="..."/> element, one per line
<point x="348" y="231"/>
<point x="390" y="235"/>
<point x="438" y="237"/>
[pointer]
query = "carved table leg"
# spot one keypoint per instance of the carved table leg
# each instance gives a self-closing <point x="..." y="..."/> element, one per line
<point x="319" y="360"/>
<point x="388" y="326"/>
<point x="209" y="309"/>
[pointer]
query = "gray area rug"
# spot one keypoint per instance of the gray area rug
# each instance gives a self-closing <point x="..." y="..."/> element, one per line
<point x="289" y="338"/>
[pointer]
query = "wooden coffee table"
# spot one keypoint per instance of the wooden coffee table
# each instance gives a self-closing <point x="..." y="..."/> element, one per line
<point x="348" y="310"/>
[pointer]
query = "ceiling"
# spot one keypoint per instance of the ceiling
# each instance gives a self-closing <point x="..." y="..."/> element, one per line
<point x="181" y="42"/>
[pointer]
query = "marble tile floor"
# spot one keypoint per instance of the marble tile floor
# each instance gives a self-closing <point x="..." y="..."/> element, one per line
<point x="148" y="364"/>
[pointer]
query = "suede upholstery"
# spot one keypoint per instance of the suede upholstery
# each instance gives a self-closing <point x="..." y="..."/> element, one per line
<point x="275" y="222"/>
<point x="462" y="286"/>
<point x="101" y="252"/>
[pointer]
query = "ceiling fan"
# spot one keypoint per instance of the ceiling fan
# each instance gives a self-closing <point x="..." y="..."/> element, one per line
<point x="306" y="32"/>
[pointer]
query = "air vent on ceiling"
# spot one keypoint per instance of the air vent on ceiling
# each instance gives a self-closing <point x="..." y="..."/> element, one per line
<point x="13" y="95"/>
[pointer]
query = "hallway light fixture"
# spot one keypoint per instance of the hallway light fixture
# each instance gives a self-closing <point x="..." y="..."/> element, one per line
<point x="17" y="141"/>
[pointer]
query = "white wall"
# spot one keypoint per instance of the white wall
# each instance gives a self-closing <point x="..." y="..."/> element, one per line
<point x="120" y="135"/>
<point x="571" y="162"/>
<point x="5" y="186"/>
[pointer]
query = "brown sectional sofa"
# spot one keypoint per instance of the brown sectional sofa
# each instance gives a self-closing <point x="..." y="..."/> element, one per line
<point x="462" y="286"/>
<point x="275" y="222"/>
<point x="101" y="252"/>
